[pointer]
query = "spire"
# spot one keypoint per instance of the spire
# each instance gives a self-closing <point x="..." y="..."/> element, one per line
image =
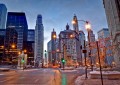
<point x="53" y="30"/>
<point x="75" y="25"/>
<point x="67" y="27"/>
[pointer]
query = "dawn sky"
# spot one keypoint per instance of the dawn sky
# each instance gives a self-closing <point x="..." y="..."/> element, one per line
<point x="57" y="13"/>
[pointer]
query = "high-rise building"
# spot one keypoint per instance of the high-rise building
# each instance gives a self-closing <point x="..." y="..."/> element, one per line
<point x="112" y="9"/>
<point x="70" y="46"/>
<point x="3" y="13"/>
<point x="2" y="32"/>
<point x="91" y="47"/>
<point x="30" y="46"/>
<point x="31" y="35"/>
<point x="10" y="45"/>
<point x="91" y="36"/>
<point x="82" y="39"/>
<point x="49" y="52"/>
<point x="105" y="46"/>
<point x="39" y="41"/>
<point x="2" y="38"/>
<point x="53" y="46"/>
<point x="18" y="21"/>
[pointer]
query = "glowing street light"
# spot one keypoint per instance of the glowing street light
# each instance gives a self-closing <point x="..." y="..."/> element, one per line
<point x="73" y="22"/>
<point x="71" y="36"/>
<point x="19" y="53"/>
<point x="25" y="51"/>
<point x="88" y="26"/>
<point x="13" y="45"/>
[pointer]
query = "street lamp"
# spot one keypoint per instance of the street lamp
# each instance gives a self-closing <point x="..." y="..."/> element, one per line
<point x="13" y="46"/>
<point x="99" y="63"/>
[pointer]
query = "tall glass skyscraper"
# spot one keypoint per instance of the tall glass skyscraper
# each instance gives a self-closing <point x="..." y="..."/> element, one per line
<point x="3" y="13"/>
<point x="39" y="41"/>
<point x="31" y="35"/>
<point x="18" y="21"/>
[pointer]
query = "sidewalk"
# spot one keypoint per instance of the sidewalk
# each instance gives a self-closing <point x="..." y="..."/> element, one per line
<point x="82" y="81"/>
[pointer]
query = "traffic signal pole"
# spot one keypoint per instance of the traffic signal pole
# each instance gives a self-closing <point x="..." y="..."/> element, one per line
<point x="63" y="57"/>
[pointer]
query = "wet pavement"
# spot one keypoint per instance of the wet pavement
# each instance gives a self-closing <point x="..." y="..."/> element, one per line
<point x="39" y="77"/>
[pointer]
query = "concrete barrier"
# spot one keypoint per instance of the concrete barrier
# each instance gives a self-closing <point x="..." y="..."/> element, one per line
<point x="4" y="69"/>
<point x="105" y="74"/>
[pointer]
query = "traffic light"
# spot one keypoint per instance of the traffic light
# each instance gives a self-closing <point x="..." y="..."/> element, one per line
<point x="63" y="60"/>
<point x="22" y="61"/>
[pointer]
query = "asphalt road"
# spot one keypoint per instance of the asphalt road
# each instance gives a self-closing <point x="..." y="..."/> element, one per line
<point x="39" y="77"/>
<point x="31" y="77"/>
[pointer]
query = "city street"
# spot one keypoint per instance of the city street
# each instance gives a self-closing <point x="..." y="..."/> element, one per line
<point x="40" y="77"/>
<point x="59" y="42"/>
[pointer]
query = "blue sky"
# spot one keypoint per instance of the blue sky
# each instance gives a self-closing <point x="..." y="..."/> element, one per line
<point x="57" y="13"/>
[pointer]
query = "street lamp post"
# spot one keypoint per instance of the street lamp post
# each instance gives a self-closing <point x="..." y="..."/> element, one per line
<point x="99" y="63"/>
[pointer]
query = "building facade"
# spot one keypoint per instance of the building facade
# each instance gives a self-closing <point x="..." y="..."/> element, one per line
<point x="30" y="46"/>
<point x="18" y="21"/>
<point x="69" y="46"/>
<point x="31" y="35"/>
<point x="82" y="39"/>
<point x="112" y="9"/>
<point x="105" y="46"/>
<point x="11" y="52"/>
<point x="2" y="38"/>
<point x="91" y="46"/>
<point x="53" y="46"/>
<point x="3" y="14"/>
<point x="39" y="41"/>
<point x="49" y="52"/>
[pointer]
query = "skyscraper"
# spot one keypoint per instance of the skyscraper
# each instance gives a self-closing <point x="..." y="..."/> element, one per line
<point x="39" y="41"/>
<point x="49" y="52"/>
<point x="31" y="35"/>
<point x="3" y="13"/>
<point x="82" y="38"/>
<point x="2" y="38"/>
<point x="11" y="44"/>
<point x="18" y="21"/>
<point x="53" y="46"/>
<point x="30" y="46"/>
<point x="112" y="9"/>
<point x="91" y="52"/>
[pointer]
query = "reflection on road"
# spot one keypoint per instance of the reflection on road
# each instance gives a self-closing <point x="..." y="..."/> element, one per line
<point x="39" y="77"/>
<point x="64" y="80"/>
